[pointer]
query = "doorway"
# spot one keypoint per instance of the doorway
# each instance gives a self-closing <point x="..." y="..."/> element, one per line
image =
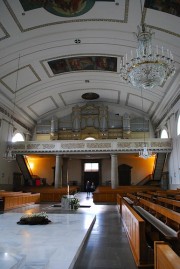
<point x="124" y="174"/>
<point x="91" y="171"/>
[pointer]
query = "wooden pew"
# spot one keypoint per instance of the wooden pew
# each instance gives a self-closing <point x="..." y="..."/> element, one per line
<point x="170" y="203"/>
<point x="174" y="194"/>
<point x="14" y="200"/>
<point x="165" y="257"/>
<point x="133" y="197"/>
<point x="119" y="202"/>
<point x="135" y="230"/>
<point x="164" y="229"/>
<point x="51" y="194"/>
<point x="105" y="194"/>
<point x="167" y="202"/>
<point x="162" y="223"/>
<point x="128" y="200"/>
<point x="145" y="195"/>
<point x="169" y="216"/>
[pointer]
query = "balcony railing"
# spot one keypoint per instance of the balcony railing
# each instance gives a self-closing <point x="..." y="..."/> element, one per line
<point x="96" y="146"/>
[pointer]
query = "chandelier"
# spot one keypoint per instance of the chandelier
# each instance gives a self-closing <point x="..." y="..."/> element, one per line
<point x="144" y="153"/>
<point x="149" y="68"/>
<point x="9" y="155"/>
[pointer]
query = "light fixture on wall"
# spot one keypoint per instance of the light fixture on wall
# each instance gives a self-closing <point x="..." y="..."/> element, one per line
<point x="144" y="153"/>
<point x="149" y="68"/>
<point x="9" y="155"/>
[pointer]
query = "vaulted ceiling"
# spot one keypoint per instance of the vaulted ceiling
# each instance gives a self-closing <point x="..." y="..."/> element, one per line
<point x="34" y="34"/>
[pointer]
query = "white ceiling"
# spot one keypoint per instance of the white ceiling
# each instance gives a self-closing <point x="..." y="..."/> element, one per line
<point x="29" y="39"/>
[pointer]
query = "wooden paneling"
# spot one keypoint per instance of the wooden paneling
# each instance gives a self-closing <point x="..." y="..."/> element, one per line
<point x="165" y="257"/>
<point x="135" y="229"/>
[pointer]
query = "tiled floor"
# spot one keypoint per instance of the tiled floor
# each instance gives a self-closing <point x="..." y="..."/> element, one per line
<point x="106" y="247"/>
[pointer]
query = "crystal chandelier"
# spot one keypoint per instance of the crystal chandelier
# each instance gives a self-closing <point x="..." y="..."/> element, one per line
<point x="144" y="153"/>
<point x="149" y="68"/>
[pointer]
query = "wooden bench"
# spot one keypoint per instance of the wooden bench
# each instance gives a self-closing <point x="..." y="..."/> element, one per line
<point x="164" y="229"/>
<point x="147" y="196"/>
<point x="158" y="230"/>
<point x="165" y="257"/>
<point x="133" y="197"/>
<point x="135" y="230"/>
<point x="51" y="194"/>
<point x="119" y="202"/>
<point x="105" y="194"/>
<point x="14" y="200"/>
<point x="174" y="194"/>
<point x="170" y="203"/>
<point x="170" y="217"/>
<point x="128" y="200"/>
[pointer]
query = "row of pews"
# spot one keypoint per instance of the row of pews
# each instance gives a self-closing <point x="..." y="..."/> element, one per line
<point x="29" y="195"/>
<point x="152" y="224"/>
<point x="49" y="193"/>
<point x="105" y="194"/>
<point x="10" y="200"/>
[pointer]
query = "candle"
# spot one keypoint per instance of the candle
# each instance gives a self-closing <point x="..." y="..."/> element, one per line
<point x="68" y="190"/>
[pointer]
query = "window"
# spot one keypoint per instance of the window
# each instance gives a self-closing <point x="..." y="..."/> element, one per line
<point x="91" y="167"/>
<point x="17" y="137"/>
<point x="89" y="138"/>
<point x="164" y="134"/>
<point x="178" y="126"/>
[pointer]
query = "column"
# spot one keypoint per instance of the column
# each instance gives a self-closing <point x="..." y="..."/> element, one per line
<point x="27" y="136"/>
<point x="65" y="172"/>
<point x="114" y="171"/>
<point x="58" y="174"/>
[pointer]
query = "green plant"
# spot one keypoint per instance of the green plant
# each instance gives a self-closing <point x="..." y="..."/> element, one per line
<point x="34" y="218"/>
<point x="74" y="203"/>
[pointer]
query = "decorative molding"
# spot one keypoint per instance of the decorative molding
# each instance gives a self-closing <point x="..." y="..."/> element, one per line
<point x="125" y="20"/>
<point x="10" y="116"/>
<point x="17" y="70"/>
<point x="72" y="145"/>
<point x="4" y="31"/>
<point x="99" y="146"/>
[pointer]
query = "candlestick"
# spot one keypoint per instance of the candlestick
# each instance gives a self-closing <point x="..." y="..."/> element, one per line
<point x="68" y="190"/>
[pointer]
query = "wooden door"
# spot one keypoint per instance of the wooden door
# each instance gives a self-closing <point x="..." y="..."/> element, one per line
<point x="124" y="174"/>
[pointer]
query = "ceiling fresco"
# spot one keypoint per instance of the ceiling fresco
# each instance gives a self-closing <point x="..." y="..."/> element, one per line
<point x="101" y="63"/>
<point x="167" y="6"/>
<point x="63" y="8"/>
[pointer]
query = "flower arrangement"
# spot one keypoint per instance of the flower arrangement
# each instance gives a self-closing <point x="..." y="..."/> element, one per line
<point x="74" y="203"/>
<point x="34" y="218"/>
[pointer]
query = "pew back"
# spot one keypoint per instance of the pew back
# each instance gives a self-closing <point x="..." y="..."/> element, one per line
<point x="135" y="230"/>
<point x="165" y="257"/>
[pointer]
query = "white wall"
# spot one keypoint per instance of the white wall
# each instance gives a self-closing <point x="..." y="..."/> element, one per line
<point x="6" y="168"/>
<point x="170" y="122"/>
<point x="74" y="170"/>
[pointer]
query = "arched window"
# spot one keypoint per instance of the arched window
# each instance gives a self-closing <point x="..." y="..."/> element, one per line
<point x="89" y="138"/>
<point x="178" y="125"/>
<point x="17" y="137"/>
<point x="164" y="134"/>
